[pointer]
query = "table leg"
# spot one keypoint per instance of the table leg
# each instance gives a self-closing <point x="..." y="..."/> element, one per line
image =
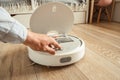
<point x="113" y="5"/>
<point x="91" y="11"/>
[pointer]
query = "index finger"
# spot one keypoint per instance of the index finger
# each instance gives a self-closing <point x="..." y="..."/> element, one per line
<point x="55" y="44"/>
<point x="49" y="50"/>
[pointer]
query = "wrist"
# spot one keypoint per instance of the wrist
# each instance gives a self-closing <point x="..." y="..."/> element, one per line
<point x="28" y="38"/>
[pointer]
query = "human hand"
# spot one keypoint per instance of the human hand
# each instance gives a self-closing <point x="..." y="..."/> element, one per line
<point x="41" y="42"/>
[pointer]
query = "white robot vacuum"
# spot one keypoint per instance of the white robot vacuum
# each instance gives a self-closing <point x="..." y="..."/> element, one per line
<point x="56" y="19"/>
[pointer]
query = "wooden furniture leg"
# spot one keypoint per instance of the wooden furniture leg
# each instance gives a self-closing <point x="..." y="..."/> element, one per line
<point x="108" y="15"/>
<point x="99" y="14"/>
<point x="91" y="11"/>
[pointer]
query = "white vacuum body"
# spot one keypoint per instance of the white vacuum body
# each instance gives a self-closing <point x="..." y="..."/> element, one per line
<point x="56" y="19"/>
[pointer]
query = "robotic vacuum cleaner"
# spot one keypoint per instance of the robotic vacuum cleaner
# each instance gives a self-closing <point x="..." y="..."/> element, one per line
<point x="56" y="19"/>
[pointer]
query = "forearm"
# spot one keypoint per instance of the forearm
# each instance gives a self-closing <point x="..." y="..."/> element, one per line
<point x="10" y="29"/>
<point x="13" y="32"/>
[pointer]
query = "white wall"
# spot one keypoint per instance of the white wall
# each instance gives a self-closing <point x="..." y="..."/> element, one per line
<point x="116" y="15"/>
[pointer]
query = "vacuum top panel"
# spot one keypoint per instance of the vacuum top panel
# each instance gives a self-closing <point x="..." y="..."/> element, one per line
<point x="53" y="16"/>
<point x="67" y="47"/>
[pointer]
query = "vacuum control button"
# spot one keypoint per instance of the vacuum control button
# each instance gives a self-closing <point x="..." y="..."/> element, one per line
<point x="65" y="59"/>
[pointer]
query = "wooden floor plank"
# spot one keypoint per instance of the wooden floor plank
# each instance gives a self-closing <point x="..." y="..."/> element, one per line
<point x="101" y="61"/>
<point x="15" y="63"/>
<point x="100" y="29"/>
<point x="102" y="48"/>
<point x="102" y="36"/>
<point x="103" y="30"/>
<point x="96" y="67"/>
<point x="21" y="66"/>
<point x="5" y="58"/>
<point x="61" y="73"/>
<point x="110" y="26"/>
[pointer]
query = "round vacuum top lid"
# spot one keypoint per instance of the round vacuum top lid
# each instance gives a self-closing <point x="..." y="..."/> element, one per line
<point x="54" y="16"/>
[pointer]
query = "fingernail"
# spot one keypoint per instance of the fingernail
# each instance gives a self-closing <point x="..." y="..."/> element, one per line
<point x="53" y="52"/>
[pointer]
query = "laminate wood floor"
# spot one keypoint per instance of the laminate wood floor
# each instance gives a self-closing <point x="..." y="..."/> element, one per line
<point x="101" y="61"/>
